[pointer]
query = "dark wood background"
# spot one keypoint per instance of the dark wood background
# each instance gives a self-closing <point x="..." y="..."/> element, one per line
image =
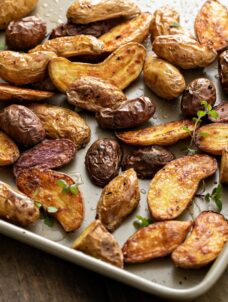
<point x="29" y="275"/>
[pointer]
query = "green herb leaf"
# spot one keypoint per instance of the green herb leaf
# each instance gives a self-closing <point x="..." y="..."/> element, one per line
<point x="203" y="134"/>
<point x="195" y="119"/>
<point x="186" y="129"/>
<point x="52" y="210"/>
<point x="175" y="24"/>
<point x="38" y="204"/>
<point x="62" y="183"/>
<point x="207" y="197"/>
<point x="141" y="222"/>
<point x="49" y="221"/>
<point x="201" y="113"/>
<point x="216" y="196"/>
<point x="214" y="114"/>
<point x="192" y="151"/>
<point x="74" y="189"/>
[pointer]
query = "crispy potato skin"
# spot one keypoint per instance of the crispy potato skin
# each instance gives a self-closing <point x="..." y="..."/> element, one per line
<point x="134" y="30"/>
<point x="16" y="207"/>
<point x="11" y="10"/>
<point x="156" y="240"/>
<point x="83" y="11"/>
<point x="223" y="70"/>
<point x="97" y="242"/>
<point x="121" y="68"/>
<point x="118" y="199"/>
<point x="161" y="135"/>
<point x="41" y="185"/>
<point x="224" y="167"/>
<point x="11" y="93"/>
<point x="9" y="151"/>
<point x="211" y="25"/>
<point x="94" y="94"/>
<point x="72" y="46"/>
<point x="173" y="187"/>
<point x="22" y="69"/>
<point x="163" y="78"/>
<point x="215" y="141"/>
<point x="206" y="241"/>
<point x="60" y="122"/>
<point x="222" y="110"/>
<point x="183" y="51"/>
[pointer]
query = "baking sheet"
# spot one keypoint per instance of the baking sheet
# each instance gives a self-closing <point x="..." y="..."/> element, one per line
<point x="160" y="275"/>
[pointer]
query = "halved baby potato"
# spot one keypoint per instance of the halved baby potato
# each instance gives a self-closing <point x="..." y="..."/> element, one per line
<point x="207" y="239"/>
<point x="44" y="186"/>
<point x="173" y="187"/>
<point x="9" y="151"/>
<point x="224" y="167"/>
<point x="97" y="242"/>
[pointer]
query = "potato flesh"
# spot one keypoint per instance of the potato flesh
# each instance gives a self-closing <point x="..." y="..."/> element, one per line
<point x="156" y="240"/>
<point x="204" y="244"/>
<point x="120" y="69"/>
<point x="9" y="151"/>
<point x="211" y="25"/>
<point x="42" y="186"/>
<point x="97" y="242"/>
<point x="134" y="30"/>
<point x="224" y="167"/>
<point x="173" y="187"/>
<point x="161" y="135"/>
<point x="216" y="139"/>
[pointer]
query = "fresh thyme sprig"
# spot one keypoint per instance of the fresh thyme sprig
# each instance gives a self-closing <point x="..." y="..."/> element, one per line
<point x="141" y="222"/>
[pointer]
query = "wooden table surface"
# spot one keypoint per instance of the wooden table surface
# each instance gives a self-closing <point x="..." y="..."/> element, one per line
<point x="29" y="275"/>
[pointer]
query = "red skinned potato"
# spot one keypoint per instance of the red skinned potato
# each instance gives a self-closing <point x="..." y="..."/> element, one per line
<point x="223" y="70"/>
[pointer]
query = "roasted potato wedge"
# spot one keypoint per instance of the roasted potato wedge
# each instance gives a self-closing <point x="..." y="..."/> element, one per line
<point x="118" y="199"/>
<point x="183" y="51"/>
<point x="156" y="240"/>
<point x="94" y="94"/>
<point x="163" y="78"/>
<point x="206" y="241"/>
<point x="85" y="11"/>
<point x="224" y="167"/>
<point x="121" y="68"/>
<point x="10" y="93"/>
<point x="133" y="30"/>
<point x="72" y="46"/>
<point x="211" y="25"/>
<point x="43" y="187"/>
<point x="60" y="122"/>
<point x="22" y="69"/>
<point x="215" y="140"/>
<point x="223" y="70"/>
<point x="16" y="207"/>
<point x="173" y="187"/>
<point x="9" y="151"/>
<point x="97" y="242"/>
<point x="222" y="110"/>
<point x="162" y="135"/>
<point x="11" y="10"/>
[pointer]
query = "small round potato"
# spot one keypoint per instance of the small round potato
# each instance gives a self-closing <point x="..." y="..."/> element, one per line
<point x="197" y="91"/>
<point x="163" y="79"/>
<point x="9" y="152"/>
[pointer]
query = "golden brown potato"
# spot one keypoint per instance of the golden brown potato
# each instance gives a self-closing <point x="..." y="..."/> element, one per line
<point x="60" y="122"/>
<point x="45" y="187"/>
<point x="214" y="138"/>
<point x="206" y="241"/>
<point x="211" y="25"/>
<point x="11" y="10"/>
<point x="12" y="93"/>
<point x="156" y="240"/>
<point x="16" y="207"/>
<point x="162" y="78"/>
<point x="121" y="68"/>
<point x="97" y="242"/>
<point x="72" y="46"/>
<point x="183" y="51"/>
<point x="134" y="30"/>
<point x="161" y="135"/>
<point x="9" y="151"/>
<point x="85" y="11"/>
<point x="224" y="167"/>
<point x="173" y="187"/>
<point x="118" y="199"/>
<point x="22" y="69"/>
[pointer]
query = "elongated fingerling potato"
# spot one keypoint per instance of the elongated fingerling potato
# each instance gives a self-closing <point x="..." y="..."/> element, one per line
<point x="17" y="207"/>
<point x="121" y="68"/>
<point x="97" y="242"/>
<point x="212" y="138"/>
<point x="156" y="240"/>
<point x="43" y="186"/>
<point x="173" y="187"/>
<point x="211" y="25"/>
<point x="72" y="46"/>
<point x="206" y="241"/>
<point x="9" y="151"/>
<point x="134" y="30"/>
<point x="162" y="135"/>
<point x="224" y="167"/>
<point x="118" y="199"/>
